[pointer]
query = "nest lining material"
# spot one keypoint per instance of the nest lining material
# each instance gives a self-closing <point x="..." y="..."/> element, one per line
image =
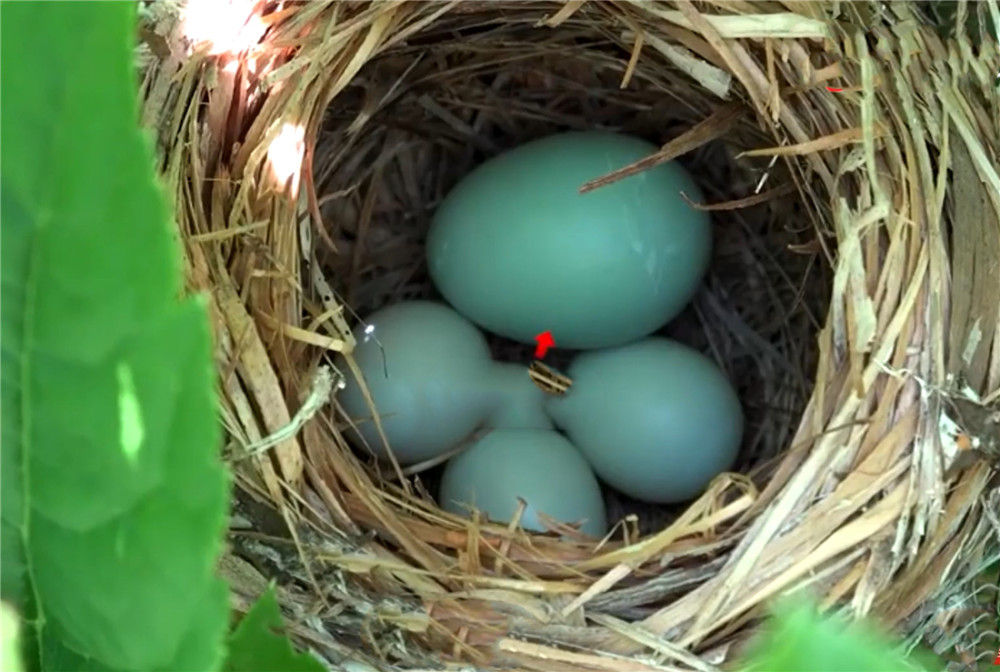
<point x="898" y="194"/>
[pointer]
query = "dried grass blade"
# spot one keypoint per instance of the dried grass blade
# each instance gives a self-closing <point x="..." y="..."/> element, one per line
<point x="715" y="126"/>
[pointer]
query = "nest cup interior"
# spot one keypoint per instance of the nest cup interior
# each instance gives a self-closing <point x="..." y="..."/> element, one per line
<point x="419" y="117"/>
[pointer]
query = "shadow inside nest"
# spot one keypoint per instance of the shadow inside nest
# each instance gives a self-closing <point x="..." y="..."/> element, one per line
<point x="417" y="120"/>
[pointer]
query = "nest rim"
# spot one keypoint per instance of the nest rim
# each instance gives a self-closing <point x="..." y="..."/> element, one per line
<point x="874" y="578"/>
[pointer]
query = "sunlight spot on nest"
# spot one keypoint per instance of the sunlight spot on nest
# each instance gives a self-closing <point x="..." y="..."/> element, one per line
<point x="285" y="153"/>
<point x="254" y="65"/>
<point x="228" y="26"/>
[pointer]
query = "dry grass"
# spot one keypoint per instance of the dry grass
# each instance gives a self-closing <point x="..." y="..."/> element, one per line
<point x="855" y="278"/>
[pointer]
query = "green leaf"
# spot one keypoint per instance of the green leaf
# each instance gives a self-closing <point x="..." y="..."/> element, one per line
<point x="797" y="639"/>
<point x="58" y="657"/>
<point x="257" y="646"/>
<point x="113" y="494"/>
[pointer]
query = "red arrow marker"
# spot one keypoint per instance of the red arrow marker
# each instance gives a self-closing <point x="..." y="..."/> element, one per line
<point x="830" y="88"/>
<point x="545" y="341"/>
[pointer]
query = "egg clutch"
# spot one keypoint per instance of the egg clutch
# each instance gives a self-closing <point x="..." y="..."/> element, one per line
<point x="516" y="250"/>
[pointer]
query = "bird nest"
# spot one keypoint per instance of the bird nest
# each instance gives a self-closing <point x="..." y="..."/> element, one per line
<point x="848" y="157"/>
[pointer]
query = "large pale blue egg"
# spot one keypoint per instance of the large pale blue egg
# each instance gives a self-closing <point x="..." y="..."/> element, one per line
<point x="540" y="467"/>
<point x="518" y="250"/>
<point x="656" y="419"/>
<point x="426" y="368"/>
